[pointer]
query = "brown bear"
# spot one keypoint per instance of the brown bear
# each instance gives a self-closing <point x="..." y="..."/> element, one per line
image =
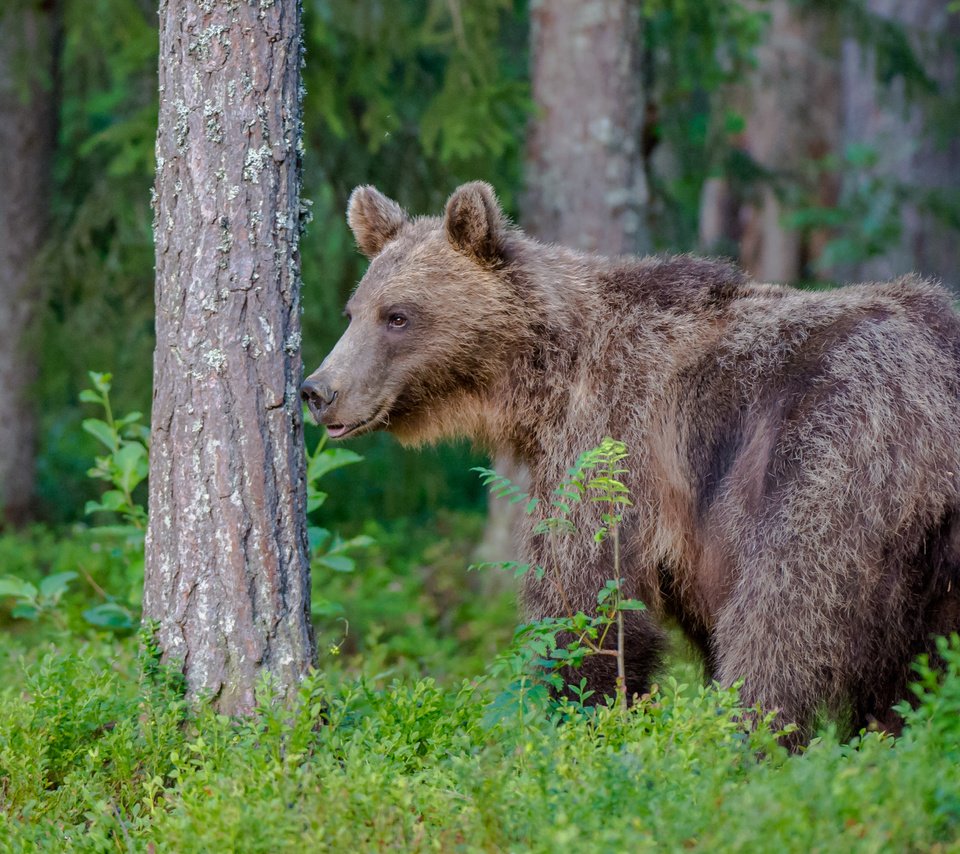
<point x="794" y="456"/>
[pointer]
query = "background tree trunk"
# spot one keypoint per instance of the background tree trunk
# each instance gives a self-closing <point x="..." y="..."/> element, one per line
<point x="817" y="91"/>
<point x="586" y="185"/>
<point x="586" y="182"/>
<point x="227" y="574"/>
<point x="914" y="150"/>
<point x="28" y="107"/>
<point x="792" y="111"/>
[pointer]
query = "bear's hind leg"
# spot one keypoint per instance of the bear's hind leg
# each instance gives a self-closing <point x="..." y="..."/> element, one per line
<point x="780" y="652"/>
<point x="909" y="623"/>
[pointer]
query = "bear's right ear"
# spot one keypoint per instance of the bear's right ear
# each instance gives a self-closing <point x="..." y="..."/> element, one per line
<point x="474" y="223"/>
<point x="374" y="219"/>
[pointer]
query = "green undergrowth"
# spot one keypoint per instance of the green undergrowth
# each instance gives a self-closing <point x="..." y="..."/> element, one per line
<point x="99" y="752"/>
<point x="415" y="734"/>
<point x="406" y="606"/>
<point x="423" y="729"/>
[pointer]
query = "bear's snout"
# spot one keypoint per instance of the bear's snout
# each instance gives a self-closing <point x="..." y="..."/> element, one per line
<point x="317" y="395"/>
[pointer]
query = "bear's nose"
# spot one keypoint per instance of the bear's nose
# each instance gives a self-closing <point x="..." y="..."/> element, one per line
<point x="317" y="393"/>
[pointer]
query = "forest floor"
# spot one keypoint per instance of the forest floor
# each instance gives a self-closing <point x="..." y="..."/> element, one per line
<point x="419" y="732"/>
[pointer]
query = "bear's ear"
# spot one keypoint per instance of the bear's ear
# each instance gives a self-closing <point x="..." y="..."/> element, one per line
<point x="374" y="219"/>
<point x="474" y="223"/>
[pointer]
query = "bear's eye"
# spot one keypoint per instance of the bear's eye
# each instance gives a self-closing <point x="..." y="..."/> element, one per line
<point x="397" y="320"/>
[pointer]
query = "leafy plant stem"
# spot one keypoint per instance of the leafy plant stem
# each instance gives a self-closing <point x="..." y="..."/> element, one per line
<point x="108" y="412"/>
<point x="558" y="586"/>
<point x="621" y="668"/>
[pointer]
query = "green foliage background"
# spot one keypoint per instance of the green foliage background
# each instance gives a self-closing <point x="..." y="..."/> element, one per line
<point x="413" y="737"/>
<point x="414" y="97"/>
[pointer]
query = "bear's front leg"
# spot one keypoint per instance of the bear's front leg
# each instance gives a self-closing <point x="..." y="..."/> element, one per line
<point x="644" y="643"/>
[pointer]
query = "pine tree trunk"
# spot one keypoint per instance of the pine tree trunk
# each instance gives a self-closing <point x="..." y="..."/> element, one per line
<point x="227" y="574"/>
<point x="912" y="152"/>
<point x="27" y="140"/>
<point x="586" y="185"/>
<point x="586" y="182"/>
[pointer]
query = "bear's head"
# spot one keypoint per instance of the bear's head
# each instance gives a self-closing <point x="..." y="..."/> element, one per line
<point x="429" y="322"/>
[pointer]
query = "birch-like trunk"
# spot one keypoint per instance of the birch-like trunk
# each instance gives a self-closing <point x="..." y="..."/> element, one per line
<point x="227" y="574"/>
<point x="914" y="150"/>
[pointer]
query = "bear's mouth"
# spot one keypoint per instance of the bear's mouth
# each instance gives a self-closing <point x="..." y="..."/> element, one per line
<point x="341" y="431"/>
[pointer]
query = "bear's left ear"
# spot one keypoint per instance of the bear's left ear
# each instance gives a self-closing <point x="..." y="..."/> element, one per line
<point x="474" y="223"/>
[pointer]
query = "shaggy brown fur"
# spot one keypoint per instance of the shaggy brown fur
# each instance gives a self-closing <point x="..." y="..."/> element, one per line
<point x="795" y="468"/>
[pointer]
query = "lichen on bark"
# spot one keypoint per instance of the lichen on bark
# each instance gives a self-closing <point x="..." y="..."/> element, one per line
<point x="227" y="575"/>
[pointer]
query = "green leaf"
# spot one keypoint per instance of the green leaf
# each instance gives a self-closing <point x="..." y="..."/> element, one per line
<point x="361" y="541"/>
<point x="733" y="123"/>
<point x="320" y="607"/>
<point x="101" y="381"/>
<point x="329" y="459"/>
<point x="338" y="563"/>
<point x="131" y="533"/>
<point x="486" y="564"/>
<point x="109" y="615"/>
<point x="518" y="569"/>
<point x="90" y="396"/>
<point x="101" y="431"/>
<point x="54" y="586"/>
<point x="131" y="461"/>
<point x="317" y="537"/>
<point x="139" y="433"/>
<point x="605" y="593"/>
<point x="24" y="611"/>
<point x="10" y="585"/>
<point x="315" y="499"/>
<point x="111" y="500"/>
<point x="632" y="605"/>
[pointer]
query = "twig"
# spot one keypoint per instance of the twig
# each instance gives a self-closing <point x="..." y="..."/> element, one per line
<point x="93" y="583"/>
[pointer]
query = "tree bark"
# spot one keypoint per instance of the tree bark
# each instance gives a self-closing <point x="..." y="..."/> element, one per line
<point x="910" y="152"/>
<point x="27" y="141"/>
<point x="586" y="182"/>
<point x="586" y="185"/>
<point x="792" y="110"/>
<point x="227" y="573"/>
